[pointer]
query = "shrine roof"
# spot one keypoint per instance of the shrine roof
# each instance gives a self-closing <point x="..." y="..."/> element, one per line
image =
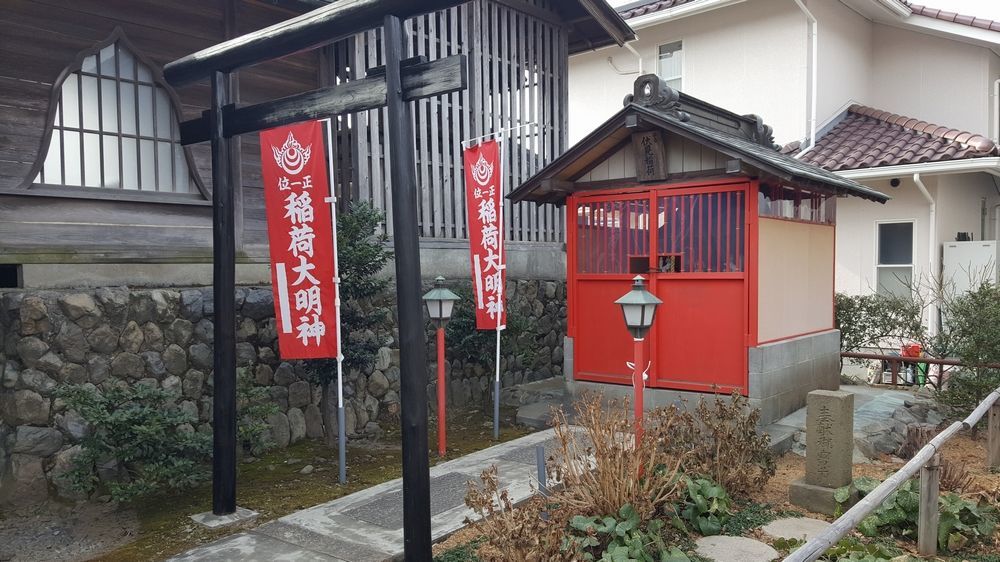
<point x="655" y="106"/>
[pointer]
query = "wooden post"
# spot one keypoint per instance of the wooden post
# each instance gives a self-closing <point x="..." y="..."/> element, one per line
<point x="412" y="347"/>
<point x="993" y="438"/>
<point x="224" y="294"/>
<point x="927" y="520"/>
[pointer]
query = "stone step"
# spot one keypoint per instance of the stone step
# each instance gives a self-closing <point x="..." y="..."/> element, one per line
<point x="537" y="415"/>
<point x="782" y="437"/>
<point x="732" y="549"/>
<point x="551" y="390"/>
<point x="801" y="528"/>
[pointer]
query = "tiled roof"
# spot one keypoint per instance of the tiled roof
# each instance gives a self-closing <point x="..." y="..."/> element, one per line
<point x="637" y="9"/>
<point x="971" y="21"/>
<point x="869" y="138"/>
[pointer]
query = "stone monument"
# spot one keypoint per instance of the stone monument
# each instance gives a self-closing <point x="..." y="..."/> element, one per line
<point x="829" y="451"/>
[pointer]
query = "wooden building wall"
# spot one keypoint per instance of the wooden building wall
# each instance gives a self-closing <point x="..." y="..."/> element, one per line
<point x="518" y="61"/>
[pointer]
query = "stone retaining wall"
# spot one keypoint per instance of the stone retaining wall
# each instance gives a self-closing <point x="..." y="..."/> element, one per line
<point x="164" y="337"/>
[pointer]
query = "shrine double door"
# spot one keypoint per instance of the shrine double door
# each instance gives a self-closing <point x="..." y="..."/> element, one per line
<point x="691" y="245"/>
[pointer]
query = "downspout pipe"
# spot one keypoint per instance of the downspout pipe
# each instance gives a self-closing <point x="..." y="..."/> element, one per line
<point x="932" y="253"/>
<point x="996" y="111"/>
<point x="812" y="70"/>
<point x="611" y="61"/>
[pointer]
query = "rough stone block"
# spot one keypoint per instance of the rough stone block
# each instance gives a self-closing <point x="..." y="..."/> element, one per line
<point x="818" y="499"/>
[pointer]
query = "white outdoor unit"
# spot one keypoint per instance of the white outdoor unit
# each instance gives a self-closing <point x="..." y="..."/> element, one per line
<point x="966" y="263"/>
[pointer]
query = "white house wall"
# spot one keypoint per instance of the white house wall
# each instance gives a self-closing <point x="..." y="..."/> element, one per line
<point x="959" y="201"/>
<point x="960" y="204"/>
<point x="748" y="58"/>
<point x="856" y="220"/>
<point x="930" y="78"/>
<point x="844" y="56"/>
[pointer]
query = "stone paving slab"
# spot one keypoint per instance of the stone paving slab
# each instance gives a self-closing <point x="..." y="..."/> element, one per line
<point x="253" y="547"/>
<point x="366" y="526"/>
<point x="447" y="492"/>
<point x="317" y="542"/>
<point x="526" y="454"/>
<point x="802" y="528"/>
<point x="734" y="549"/>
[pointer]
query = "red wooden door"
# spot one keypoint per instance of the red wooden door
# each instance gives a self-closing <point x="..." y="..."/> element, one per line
<point x="612" y="243"/>
<point x="691" y="244"/>
<point x="700" y="336"/>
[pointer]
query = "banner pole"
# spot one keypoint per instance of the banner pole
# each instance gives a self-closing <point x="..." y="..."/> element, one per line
<point x="332" y="200"/>
<point x="502" y="307"/>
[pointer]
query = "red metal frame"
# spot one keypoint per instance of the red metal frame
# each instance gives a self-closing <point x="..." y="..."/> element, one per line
<point x="747" y="310"/>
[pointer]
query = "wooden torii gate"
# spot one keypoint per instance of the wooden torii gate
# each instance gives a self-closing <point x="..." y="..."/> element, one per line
<point x="400" y="81"/>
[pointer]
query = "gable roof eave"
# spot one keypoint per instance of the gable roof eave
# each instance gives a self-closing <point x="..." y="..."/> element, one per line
<point x="615" y="130"/>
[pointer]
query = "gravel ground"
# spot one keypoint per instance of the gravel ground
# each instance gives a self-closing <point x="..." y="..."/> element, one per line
<point x="59" y="532"/>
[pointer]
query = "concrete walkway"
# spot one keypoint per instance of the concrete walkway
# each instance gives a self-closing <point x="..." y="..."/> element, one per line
<point x="367" y="526"/>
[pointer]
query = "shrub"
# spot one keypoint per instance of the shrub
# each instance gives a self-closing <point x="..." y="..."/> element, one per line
<point x="720" y="440"/>
<point x="362" y="255"/>
<point x="602" y="469"/>
<point x="879" y="321"/>
<point x="961" y="520"/>
<point x="140" y="427"/>
<point x="525" y="533"/>
<point x="465" y="341"/>
<point x="973" y="319"/>
<point x="143" y="428"/>
<point x="620" y="537"/>
<point x="253" y="405"/>
<point x="705" y="506"/>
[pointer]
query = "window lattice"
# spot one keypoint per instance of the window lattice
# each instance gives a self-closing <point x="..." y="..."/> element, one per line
<point x="115" y="127"/>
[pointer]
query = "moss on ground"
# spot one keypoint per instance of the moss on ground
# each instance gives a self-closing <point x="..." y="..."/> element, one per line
<point x="274" y="487"/>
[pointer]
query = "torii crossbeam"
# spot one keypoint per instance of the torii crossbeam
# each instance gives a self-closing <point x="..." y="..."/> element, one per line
<point x="399" y="81"/>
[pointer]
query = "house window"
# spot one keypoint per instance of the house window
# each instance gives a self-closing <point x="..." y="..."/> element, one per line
<point x="114" y="126"/>
<point x="671" y="64"/>
<point x="894" y="269"/>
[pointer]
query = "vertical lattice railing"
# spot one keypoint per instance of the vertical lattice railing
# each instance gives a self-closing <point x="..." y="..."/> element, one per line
<point x="518" y="66"/>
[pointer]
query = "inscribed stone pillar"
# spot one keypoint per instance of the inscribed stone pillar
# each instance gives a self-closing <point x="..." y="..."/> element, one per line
<point x="829" y="438"/>
<point x="829" y="450"/>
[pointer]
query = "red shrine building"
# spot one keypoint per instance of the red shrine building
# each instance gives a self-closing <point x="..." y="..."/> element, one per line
<point x="734" y="237"/>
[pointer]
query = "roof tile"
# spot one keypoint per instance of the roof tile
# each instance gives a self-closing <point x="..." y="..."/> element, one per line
<point x="961" y="19"/>
<point x="867" y="137"/>
<point x="635" y="10"/>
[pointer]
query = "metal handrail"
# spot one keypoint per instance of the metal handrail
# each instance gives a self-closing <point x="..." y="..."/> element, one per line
<point x="816" y="546"/>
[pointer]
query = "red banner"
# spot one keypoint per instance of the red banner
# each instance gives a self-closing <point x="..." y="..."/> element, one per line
<point x="300" y="235"/>
<point x="484" y="197"/>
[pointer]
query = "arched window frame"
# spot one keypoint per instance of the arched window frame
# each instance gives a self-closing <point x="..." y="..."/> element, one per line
<point x="199" y="194"/>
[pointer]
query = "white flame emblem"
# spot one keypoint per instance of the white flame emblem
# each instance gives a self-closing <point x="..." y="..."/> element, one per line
<point x="292" y="157"/>
<point x="482" y="171"/>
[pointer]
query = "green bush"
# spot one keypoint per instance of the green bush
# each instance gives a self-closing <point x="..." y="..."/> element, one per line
<point x="254" y="406"/>
<point x="362" y="255"/>
<point x="973" y="320"/>
<point x="619" y="538"/>
<point x="877" y="321"/>
<point x="140" y="427"/>
<point x="143" y="428"/>
<point x="705" y="506"/>
<point x="961" y="520"/>
<point x="464" y="340"/>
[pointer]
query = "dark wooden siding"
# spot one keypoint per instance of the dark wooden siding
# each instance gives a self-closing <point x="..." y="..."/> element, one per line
<point x="518" y="62"/>
<point x="40" y="39"/>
